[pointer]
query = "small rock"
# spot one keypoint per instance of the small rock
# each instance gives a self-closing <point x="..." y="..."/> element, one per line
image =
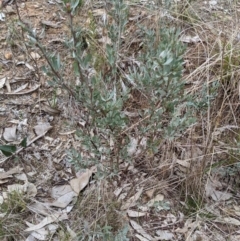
<point x="8" y="56"/>
<point x="9" y="9"/>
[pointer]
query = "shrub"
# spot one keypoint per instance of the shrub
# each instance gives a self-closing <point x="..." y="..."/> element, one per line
<point x="104" y="94"/>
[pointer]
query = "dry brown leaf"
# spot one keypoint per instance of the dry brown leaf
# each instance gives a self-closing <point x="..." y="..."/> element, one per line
<point x="41" y="208"/>
<point x="140" y="230"/>
<point x="40" y="234"/>
<point x="22" y="87"/>
<point x="228" y="220"/>
<point x="10" y="10"/>
<point x="9" y="173"/>
<point x="22" y="177"/>
<point x="165" y="235"/>
<point x="188" y="225"/>
<point x="58" y="191"/>
<point x="118" y="191"/>
<point x="42" y="128"/>
<point x="44" y="233"/>
<point x="132" y="200"/>
<point x="46" y="221"/>
<point x="50" y="110"/>
<point x="21" y="92"/>
<point x="81" y="181"/>
<point x="135" y="214"/>
<point x="215" y="194"/>
<point x="158" y="198"/>
<point x="10" y="134"/>
<point x="184" y="163"/>
<point x="218" y="195"/>
<point x="64" y="200"/>
<point x="150" y="192"/>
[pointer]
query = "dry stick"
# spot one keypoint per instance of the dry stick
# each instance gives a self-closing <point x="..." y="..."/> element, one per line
<point x="164" y="227"/>
<point x="53" y="69"/>
<point x="75" y="47"/>
<point x="23" y="92"/>
<point x="28" y="144"/>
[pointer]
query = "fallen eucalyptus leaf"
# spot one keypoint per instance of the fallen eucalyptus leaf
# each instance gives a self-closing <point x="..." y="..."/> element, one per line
<point x="23" y="87"/>
<point x="140" y="230"/>
<point x="46" y="221"/>
<point x="165" y="235"/>
<point x="135" y="214"/>
<point x="60" y="190"/>
<point x="158" y="198"/>
<point x="10" y="133"/>
<point x="216" y="195"/>
<point x="50" y="110"/>
<point x="64" y="200"/>
<point x="132" y="200"/>
<point x="42" y="128"/>
<point x="81" y="181"/>
<point x="232" y="221"/>
<point x="9" y="173"/>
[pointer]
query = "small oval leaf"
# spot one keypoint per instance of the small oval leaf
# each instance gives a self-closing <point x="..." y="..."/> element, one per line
<point x="8" y="150"/>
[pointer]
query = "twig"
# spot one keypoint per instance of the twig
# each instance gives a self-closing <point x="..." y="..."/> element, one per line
<point x="24" y="92"/>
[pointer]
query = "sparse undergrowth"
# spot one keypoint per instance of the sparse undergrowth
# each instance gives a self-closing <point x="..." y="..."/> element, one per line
<point x="149" y="109"/>
<point x="13" y="211"/>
